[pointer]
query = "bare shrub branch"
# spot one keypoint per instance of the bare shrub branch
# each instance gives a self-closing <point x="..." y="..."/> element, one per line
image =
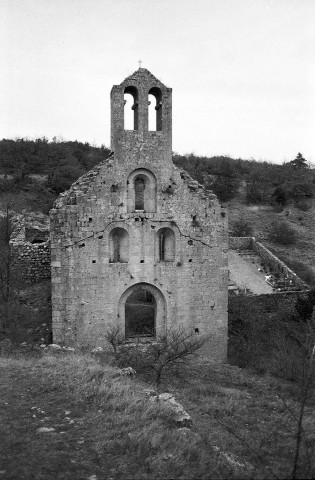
<point x="173" y="348"/>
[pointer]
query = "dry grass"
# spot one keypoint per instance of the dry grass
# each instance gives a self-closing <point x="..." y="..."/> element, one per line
<point x="252" y="417"/>
<point x="112" y="430"/>
<point x="244" y="425"/>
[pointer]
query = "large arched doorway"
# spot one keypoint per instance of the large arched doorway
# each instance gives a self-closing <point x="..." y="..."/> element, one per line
<point x="142" y="311"/>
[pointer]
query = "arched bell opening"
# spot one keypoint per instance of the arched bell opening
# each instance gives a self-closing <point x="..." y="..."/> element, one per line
<point x="155" y="109"/>
<point x="131" y="102"/>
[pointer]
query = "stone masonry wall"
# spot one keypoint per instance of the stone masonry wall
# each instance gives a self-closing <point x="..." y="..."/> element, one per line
<point x="87" y="288"/>
<point x="265" y="304"/>
<point x="31" y="261"/>
<point x="241" y="243"/>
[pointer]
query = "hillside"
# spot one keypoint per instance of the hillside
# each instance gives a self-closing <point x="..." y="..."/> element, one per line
<point x="102" y="425"/>
<point x="34" y="172"/>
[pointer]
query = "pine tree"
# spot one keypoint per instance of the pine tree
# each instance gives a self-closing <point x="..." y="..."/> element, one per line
<point x="299" y="162"/>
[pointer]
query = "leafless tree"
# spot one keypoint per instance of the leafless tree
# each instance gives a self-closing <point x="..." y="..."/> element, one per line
<point x="174" y="348"/>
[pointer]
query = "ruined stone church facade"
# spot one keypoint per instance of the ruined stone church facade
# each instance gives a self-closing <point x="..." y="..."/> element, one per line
<point x="136" y="242"/>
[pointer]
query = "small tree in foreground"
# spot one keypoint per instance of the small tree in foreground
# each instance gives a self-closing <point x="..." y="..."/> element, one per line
<point x="174" y="348"/>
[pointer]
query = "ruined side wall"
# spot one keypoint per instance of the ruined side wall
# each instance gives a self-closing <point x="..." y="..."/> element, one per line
<point x="260" y="306"/>
<point x="31" y="262"/>
<point x="277" y="265"/>
<point x="273" y="262"/>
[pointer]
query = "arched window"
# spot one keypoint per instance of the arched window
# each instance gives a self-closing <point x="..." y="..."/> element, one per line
<point x="141" y="191"/>
<point x="166" y="245"/>
<point x="155" y="109"/>
<point x="131" y="108"/>
<point x="118" y="245"/>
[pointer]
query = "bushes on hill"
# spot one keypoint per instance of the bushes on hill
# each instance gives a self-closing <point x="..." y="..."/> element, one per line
<point x="241" y="228"/>
<point x="282" y="233"/>
<point x="63" y="162"/>
<point x="61" y="179"/>
<point x="219" y="174"/>
<point x="264" y="182"/>
<point x="302" y="205"/>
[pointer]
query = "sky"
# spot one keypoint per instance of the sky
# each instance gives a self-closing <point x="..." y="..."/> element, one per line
<point x="242" y="71"/>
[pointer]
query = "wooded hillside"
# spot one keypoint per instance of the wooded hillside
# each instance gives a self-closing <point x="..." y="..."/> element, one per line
<point x="59" y="163"/>
<point x="265" y="183"/>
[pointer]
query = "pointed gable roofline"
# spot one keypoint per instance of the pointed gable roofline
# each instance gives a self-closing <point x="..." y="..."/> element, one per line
<point x="142" y="76"/>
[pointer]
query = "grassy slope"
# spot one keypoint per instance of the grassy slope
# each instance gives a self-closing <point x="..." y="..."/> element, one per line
<point x="241" y="429"/>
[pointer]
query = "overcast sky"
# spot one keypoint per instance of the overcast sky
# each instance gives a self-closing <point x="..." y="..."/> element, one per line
<point x="242" y="71"/>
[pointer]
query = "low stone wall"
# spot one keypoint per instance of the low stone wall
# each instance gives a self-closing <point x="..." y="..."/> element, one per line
<point x="241" y="243"/>
<point x="276" y="265"/>
<point x="31" y="262"/>
<point x="273" y="262"/>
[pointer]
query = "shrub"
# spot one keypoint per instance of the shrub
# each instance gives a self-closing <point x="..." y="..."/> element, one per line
<point x="302" y="205"/>
<point x="170" y="350"/>
<point x="282" y="233"/>
<point x="7" y="185"/>
<point x="281" y="195"/>
<point x="241" y="228"/>
<point x="302" y="190"/>
<point x="225" y="187"/>
<point x="278" y="207"/>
